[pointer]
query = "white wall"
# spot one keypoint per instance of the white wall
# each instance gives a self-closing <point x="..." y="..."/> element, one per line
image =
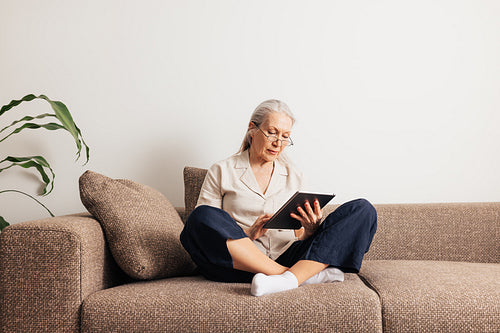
<point x="397" y="101"/>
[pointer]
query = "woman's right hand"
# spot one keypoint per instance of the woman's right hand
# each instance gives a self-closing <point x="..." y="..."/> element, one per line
<point x="257" y="230"/>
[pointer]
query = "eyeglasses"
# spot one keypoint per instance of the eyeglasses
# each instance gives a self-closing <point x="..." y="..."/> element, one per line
<point x="274" y="137"/>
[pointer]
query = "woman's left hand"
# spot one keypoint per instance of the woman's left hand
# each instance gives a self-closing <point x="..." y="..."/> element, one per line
<point x="309" y="218"/>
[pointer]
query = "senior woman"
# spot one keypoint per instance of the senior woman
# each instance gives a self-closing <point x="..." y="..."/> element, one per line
<point x="225" y="236"/>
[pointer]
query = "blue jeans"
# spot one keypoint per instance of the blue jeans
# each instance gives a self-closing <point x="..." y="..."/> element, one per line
<point x="341" y="241"/>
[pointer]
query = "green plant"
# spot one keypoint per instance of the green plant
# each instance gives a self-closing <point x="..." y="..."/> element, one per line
<point x="63" y="121"/>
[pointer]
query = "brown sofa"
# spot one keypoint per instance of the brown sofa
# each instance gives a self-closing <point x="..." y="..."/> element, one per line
<point x="431" y="268"/>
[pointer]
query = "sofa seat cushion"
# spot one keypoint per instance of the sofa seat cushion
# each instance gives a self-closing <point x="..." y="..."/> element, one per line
<point x="436" y="296"/>
<point x="193" y="304"/>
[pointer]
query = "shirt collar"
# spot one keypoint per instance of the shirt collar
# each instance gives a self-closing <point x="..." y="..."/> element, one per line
<point x="248" y="178"/>
<point x="243" y="162"/>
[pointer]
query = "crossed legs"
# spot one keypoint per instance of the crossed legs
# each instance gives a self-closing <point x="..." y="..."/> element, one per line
<point x="271" y="277"/>
<point x="247" y="257"/>
<point x="223" y="251"/>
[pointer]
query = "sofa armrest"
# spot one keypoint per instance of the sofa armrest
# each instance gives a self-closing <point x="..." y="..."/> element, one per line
<point x="47" y="268"/>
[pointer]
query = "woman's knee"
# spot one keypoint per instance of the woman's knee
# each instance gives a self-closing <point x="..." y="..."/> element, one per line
<point x="365" y="206"/>
<point x="207" y="220"/>
<point x="368" y="215"/>
<point x="202" y="214"/>
<point x="356" y="211"/>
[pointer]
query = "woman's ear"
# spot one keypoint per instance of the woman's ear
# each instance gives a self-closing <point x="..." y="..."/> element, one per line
<point x="251" y="126"/>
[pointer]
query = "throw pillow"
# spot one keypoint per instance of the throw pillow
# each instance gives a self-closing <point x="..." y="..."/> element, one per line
<point x="141" y="226"/>
<point x="193" y="180"/>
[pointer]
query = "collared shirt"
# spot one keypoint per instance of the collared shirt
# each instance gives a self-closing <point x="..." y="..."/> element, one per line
<point x="231" y="185"/>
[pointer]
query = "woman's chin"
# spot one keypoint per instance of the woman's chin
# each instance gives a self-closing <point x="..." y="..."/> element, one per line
<point x="272" y="157"/>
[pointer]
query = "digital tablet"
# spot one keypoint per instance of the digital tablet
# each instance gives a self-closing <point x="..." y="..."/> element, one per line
<point x="282" y="219"/>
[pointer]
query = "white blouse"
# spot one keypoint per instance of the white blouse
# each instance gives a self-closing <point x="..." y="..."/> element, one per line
<point x="231" y="185"/>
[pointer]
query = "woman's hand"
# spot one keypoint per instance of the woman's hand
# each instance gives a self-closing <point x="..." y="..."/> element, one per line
<point x="257" y="230"/>
<point x="309" y="218"/>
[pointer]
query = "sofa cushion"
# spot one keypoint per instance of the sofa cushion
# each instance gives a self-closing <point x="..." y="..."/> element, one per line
<point x="193" y="180"/>
<point x="436" y="296"/>
<point x="193" y="304"/>
<point x="141" y="226"/>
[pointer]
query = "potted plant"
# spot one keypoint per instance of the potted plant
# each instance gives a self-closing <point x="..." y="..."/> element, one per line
<point x="61" y="119"/>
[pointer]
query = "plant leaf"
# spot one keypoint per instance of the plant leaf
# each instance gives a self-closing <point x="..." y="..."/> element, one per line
<point x="31" y="197"/>
<point x="28" y="118"/>
<point x="3" y="223"/>
<point x="49" y="126"/>
<point x="87" y="149"/>
<point x="37" y="162"/>
<point x="63" y="115"/>
<point x="13" y="103"/>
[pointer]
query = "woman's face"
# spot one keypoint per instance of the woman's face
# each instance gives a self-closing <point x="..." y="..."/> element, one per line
<point x="279" y="124"/>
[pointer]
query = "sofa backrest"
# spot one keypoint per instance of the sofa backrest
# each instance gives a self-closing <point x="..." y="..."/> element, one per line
<point x="438" y="231"/>
<point x="193" y="180"/>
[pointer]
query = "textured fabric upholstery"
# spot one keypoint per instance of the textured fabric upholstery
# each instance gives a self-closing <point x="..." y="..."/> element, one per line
<point x="193" y="180"/>
<point x="141" y="225"/>
<point x="443" y="231"/>
<point x="47" y="268"/>
<point x="436" y="296"/>
<point x="432" y="268"/>
<point x="193" y="304"/>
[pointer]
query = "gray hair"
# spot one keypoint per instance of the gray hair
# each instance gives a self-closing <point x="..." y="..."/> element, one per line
<point x="260" y="116"/>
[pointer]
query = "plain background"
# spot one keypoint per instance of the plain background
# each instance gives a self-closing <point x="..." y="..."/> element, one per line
<point x="396" y="101"/>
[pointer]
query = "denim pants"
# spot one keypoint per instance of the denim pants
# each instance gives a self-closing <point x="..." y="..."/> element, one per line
<point x="341" y="241"/>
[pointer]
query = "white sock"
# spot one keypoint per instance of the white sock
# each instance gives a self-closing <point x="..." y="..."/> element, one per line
<point x="330" y="274"/>
<point x="263" y="284"/>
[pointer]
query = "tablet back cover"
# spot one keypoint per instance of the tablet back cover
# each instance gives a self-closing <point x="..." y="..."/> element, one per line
<point x="282" y="219"/>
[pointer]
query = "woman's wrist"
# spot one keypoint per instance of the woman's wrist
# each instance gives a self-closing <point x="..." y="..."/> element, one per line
<point x="307" y="233"/>
<point x="247" y="232"/>
<point x="302" y="235"/>
<point x="250" y="234"/>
